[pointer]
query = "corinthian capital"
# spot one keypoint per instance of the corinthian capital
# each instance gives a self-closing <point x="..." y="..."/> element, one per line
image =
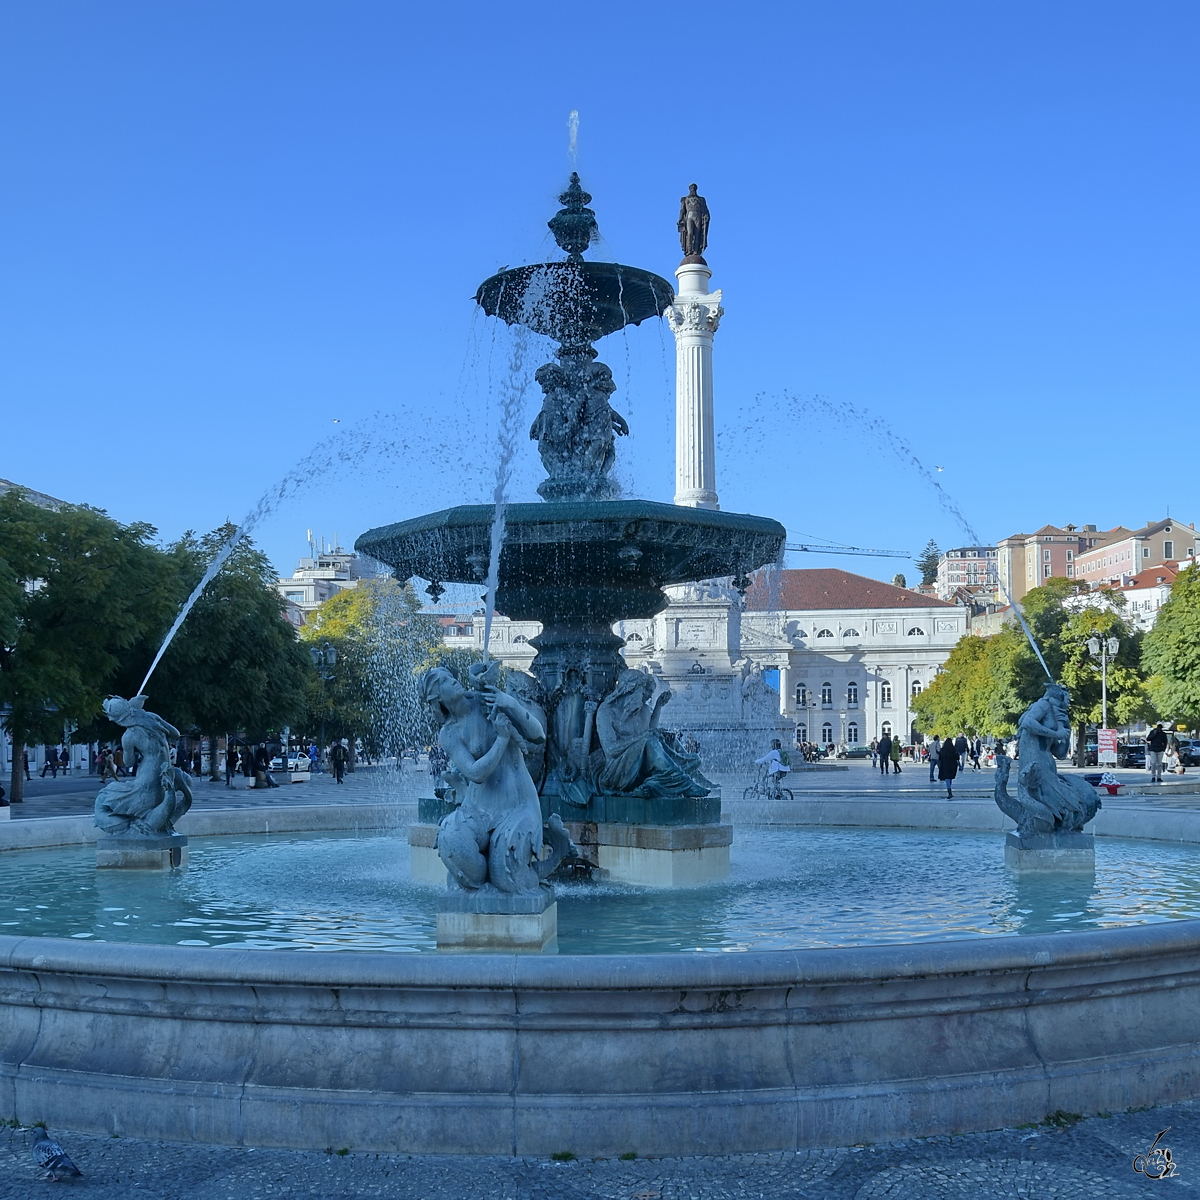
<point x="700" y="315"/>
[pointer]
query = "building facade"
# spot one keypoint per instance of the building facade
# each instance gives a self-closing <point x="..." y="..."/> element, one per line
<point x="1026" y="560"/>
<point x="317" y="578"/>
<point x="1123" y="553"/>
<point x="967" y="571"/>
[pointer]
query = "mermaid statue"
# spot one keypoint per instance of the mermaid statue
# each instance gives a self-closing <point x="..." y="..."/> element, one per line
<point x="1046" y="802"/>
<point x="151" y="800"/>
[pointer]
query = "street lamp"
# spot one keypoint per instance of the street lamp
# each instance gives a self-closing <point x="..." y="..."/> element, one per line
<point x="1104" y="648"/>
<point x="324" y="658"/>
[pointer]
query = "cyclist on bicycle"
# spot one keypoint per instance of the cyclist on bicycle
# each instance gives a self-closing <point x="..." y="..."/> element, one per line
<point x="773" y="760"/>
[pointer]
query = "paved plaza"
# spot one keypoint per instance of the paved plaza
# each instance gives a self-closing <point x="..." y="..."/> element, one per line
<point x="1068" y="1160"/>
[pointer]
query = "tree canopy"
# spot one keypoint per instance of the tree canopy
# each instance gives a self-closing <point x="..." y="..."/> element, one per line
<point x="927" y="564"/>
<point x="1171" y="654"/>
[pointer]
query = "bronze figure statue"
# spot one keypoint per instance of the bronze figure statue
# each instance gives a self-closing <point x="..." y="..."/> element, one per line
<point x="693" y="223"/>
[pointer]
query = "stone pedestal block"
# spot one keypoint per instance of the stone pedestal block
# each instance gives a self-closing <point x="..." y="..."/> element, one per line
<point x="1050" y="852"/>
<point x="489" y="920"/>
<point x="425" y="866"/>
<point x="166" y="853"/>
<point x="656" y="855"/>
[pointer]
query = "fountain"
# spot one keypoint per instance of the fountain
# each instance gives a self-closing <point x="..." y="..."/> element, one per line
<point x="582" y="560"/>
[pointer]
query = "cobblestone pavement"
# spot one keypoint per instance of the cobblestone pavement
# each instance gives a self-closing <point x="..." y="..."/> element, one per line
<point x="1083" y="1160"/>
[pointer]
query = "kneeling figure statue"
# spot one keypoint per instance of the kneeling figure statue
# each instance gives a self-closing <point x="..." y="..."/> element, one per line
<point x="495" y="837"/>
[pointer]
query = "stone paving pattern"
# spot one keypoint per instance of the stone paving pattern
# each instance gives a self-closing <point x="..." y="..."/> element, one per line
<point x="1074" y="1160"/>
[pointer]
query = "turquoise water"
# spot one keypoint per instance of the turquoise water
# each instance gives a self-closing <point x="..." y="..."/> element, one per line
<point x="789" y="889"/>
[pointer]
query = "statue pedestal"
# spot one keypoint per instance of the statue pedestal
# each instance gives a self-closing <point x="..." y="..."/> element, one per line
<point x="498" y="921"/>
<point x="667" y="856"/>
<point x="425" y="865"/>
<point x="1050" y="852"/>
<point x="165" y="853"/>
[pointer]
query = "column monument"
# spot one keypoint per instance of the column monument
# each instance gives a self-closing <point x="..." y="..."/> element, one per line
<point x="694" y="318"/>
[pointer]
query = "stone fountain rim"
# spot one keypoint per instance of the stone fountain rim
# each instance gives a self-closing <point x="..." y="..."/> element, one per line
<point x="821" y="967"/>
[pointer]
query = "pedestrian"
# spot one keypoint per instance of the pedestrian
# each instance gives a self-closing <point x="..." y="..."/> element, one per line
<point x="1156" y="745"/>
<point x="64" y="759"/>
<point x="976" y="751"/>
<point x="338" y="756"/>
<point x="934" y="749"/>
<point x="247" y="762"/>
<point x="119" y="760"/>
<point x="963" y="747"/>
<point x="262" y="767"/>
<point x="895" y="755"/>
<point x="314" y="757"/>
<point x="885" y="752"/>
<point x="25" y="763"/>
<point x="874" y="752"/>
<point x="51" y="763"/>
<point x="948" y="760"/>
<point x="108" y="767"/>
<point x="231" y="763"/>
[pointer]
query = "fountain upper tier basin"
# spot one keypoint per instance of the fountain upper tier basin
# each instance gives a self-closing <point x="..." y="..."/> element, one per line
<point x="622" y="546"/>
<point x="575" y="301"/>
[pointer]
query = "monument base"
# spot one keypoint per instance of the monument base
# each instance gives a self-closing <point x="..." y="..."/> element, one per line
<point x="1050" y="852"/>
<point x="490" y="920"/>
<point x="656" y="855"/>
<point x="129" y="853"/>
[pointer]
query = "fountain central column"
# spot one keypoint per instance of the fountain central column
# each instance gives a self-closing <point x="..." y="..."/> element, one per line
<point x="694" y="318"/>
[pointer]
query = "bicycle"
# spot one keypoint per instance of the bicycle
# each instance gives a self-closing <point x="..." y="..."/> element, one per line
<point x="768" y="787"/>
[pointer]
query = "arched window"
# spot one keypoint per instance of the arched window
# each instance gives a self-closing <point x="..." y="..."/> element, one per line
<point x="885" y="693"/>
<point x="852" y="733"/>
<point x="801" y="696"/>
<point x="801" y="633"/>
<point x="886" y="728"/>
<point x="916" y="687"/>
<point x="827" y="693"/>
<point x="827" y="733"/>
<point x="852" y="692"/>
<point x="824" y="633"/>
<point x="916" y="631"/>
<point x="849" y="633"/>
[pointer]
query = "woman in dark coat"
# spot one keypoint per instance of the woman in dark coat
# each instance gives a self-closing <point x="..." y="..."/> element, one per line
<point x="948" y="765"/>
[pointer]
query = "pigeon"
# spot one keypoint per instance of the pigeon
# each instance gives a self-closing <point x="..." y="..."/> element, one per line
<point x="52" y="1159"/>
<point x="939" y="468"/>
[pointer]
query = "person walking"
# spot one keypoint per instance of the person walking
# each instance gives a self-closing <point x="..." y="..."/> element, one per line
<point x="51" y="763"/>
<point x="948" y="760"/>
<point x="895" y="755"/>
<point x="874" y="752"/>
<point x="25" y="763"/>
<point x="64" y="760"/>
<point x="314" y="757"/>
<point x="935" y="748"/>
<point x="1156" y="745"/>
<point x="885" y="752"/>
<point x="963" y="747"/>
<point x="108" y="766"/>
<point x="976" y="751"/>
<point x="231" y="763"/>
<point x="338" y="756"/>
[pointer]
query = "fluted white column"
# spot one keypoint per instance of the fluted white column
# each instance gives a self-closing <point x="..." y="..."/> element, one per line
<point x="694" y="318"/>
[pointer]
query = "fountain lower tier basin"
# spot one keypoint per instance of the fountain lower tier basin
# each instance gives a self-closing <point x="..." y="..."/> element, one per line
<point x="584" y="559"/>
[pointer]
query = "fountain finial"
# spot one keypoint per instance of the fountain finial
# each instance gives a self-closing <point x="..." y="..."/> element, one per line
<point x="574" y="225"/>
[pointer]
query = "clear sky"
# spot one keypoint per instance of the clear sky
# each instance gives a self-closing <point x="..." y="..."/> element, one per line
<point x="225" y="226"/>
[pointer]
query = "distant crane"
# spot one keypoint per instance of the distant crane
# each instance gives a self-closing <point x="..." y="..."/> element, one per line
<point x="804" y="547"/>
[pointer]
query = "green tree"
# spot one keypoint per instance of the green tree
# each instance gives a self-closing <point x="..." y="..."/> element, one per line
<point x="1171" y="652"/>
<point x="898" y="580"/>
<point x="383" y="642"/>
<point x="78" y="590"/>
<point x="236" y="663"/>
<point x="927" y="564"/>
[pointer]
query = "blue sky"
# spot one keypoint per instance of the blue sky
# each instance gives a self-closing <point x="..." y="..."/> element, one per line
<point x="226" y="226"/>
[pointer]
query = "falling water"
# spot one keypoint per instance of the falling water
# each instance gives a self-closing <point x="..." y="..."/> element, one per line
<point x="573" y="138"/>
<point x="878" y="427"/>
<point x="512" y="404"/>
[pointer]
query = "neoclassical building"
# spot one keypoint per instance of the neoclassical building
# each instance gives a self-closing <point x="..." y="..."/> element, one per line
<point x="848" y="653"/>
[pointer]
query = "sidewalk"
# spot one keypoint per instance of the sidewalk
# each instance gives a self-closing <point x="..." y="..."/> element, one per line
<point x="73" y="796"/>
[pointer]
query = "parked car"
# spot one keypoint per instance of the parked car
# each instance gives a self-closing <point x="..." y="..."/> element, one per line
<point x="1131" y="754"/>
<point x="1189" y="752"/>
<point x="1091" y="754"/>
<point x="855" y="751"/>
